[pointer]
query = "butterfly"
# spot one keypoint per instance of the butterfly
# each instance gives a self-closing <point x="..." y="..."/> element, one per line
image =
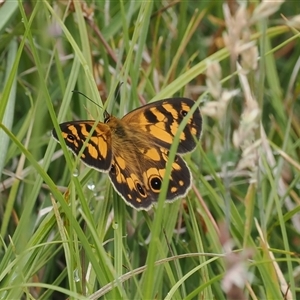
<point x="134" y="150"/>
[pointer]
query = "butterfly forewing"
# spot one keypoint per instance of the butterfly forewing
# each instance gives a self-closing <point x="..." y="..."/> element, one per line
<point x="97" y="153"/>
<point x="161" y="121"/>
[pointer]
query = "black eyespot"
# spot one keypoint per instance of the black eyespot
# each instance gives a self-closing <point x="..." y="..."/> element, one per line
<point x="155" y="183"/>
<point x="113" y="169"/>
<point x="71" y="137"/>
<point x="140" y="189"/>
<point x="183" y="113"/>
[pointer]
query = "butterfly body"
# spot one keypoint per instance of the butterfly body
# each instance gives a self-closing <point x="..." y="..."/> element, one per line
<point x="134" y="149"/>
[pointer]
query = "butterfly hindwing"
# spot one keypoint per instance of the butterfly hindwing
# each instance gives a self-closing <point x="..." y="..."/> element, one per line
<point x="161" y="121"/>
<point x="97" y="153"/>
<point x="140" y="187"/>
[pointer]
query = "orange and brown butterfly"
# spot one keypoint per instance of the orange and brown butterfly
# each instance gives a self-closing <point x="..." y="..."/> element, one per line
<point x="134" y="150"/>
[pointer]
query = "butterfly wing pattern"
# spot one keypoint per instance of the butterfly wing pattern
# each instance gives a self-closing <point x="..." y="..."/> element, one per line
<point x="97" y="154"/>
<point x="161" y="120"/>
<point x="135" y="149"/>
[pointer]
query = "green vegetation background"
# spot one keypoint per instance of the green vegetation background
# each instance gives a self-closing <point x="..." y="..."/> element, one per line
<point x="66" y="233"/>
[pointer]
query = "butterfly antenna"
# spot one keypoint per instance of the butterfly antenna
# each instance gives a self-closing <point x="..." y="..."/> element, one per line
<point x="82" y="94"/>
